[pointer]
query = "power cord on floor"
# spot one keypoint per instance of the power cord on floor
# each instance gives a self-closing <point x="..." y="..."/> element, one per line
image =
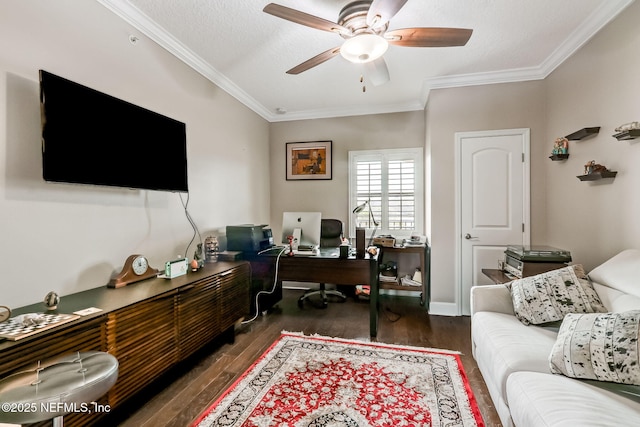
<point x="275" y="282"/>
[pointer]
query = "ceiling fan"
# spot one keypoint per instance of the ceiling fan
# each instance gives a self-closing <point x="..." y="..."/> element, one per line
<point x="364" y="24"/>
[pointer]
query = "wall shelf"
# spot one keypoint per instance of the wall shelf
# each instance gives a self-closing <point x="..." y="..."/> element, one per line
<point x="627" y="134"/>
<point x="597" y="176"/>
<point x="559" y="157"/>
<point x="583" y="133"/>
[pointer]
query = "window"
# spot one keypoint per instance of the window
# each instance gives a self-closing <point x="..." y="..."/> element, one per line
<point x="391" y="183"/>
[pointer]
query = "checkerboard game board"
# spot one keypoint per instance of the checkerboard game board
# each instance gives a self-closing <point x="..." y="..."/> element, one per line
<point x="14" y="331"/>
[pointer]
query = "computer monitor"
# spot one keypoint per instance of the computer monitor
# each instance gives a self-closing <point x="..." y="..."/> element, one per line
<point x="306" y="224"/>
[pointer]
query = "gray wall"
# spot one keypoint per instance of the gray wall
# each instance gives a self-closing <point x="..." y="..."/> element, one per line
<point x="399" y="130"/>
<point x="500" y="106"/>
<point x="598" y="86"/>
<point x="70" y="238"/>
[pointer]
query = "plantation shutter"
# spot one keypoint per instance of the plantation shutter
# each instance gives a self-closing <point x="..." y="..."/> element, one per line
<point x="402" y="199"/>
<point x="369" y="188"/>
<point x="390" y="181"/>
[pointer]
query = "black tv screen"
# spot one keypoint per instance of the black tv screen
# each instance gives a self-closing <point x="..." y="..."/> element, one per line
<point x="89" y="137"/>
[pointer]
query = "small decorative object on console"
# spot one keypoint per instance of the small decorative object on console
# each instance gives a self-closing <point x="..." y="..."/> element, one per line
<point x="211" y="249"/>
<point x="135" y="269"/>
<point x="198" y="261"/>
<point x="51" y="300"/>
<point x="175" y="268"/>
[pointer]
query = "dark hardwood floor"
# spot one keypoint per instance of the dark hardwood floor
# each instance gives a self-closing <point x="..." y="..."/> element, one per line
<point x="179" y="397"/>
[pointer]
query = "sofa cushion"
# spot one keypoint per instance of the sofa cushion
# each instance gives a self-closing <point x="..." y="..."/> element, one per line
<point x="540" y="400"/>
<point x="548" y="297"/>
<point x="601" y="347"/>
<point x="616" y="300"/>
<point x="620" y="272"/>
<point x="504" y="345"/>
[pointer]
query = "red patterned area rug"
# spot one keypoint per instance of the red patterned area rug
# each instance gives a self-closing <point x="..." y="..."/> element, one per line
<point x="326" y="382"/>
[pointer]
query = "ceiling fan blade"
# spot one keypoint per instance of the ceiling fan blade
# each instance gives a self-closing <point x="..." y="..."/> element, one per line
<point x="429" y="37"/>
<point x="381" y="11"/>
<point x="377" y="71"/>
<point x="303" y="18"/>
<point x="316" y="60"/>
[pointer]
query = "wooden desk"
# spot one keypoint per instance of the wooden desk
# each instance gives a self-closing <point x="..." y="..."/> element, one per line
<point x="327" y="267"/>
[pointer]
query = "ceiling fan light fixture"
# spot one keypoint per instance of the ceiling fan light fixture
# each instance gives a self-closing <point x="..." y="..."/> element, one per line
<point x="364" y="48"/>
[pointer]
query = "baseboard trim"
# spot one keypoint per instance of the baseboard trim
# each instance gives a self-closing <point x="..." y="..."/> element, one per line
<point x="443" y="309"/>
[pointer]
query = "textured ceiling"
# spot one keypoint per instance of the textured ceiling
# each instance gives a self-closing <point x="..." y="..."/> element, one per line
<point x="247" y="52"/>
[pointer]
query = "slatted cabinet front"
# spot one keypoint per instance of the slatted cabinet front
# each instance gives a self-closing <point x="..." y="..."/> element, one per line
<point x="147" y="337"/>
<point x="143" y="339"/>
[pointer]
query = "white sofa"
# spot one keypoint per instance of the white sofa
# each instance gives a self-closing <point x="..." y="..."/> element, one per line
<point x="514" y="358"/>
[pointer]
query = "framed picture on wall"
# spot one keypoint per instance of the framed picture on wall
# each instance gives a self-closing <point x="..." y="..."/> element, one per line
<point x="309" y="160"/>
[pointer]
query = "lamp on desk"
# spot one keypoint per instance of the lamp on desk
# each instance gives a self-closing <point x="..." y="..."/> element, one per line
<point x="359" y="209"/>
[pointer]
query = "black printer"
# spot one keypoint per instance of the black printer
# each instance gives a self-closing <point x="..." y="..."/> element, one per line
<point x="249" y="238"/>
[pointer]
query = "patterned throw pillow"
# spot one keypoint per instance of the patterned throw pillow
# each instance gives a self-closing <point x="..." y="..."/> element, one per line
<point x="548" y="297"/>
<point x="602" y="347"/>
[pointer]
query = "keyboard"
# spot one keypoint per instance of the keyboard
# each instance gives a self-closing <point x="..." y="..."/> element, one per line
<point x="310" y="251"/>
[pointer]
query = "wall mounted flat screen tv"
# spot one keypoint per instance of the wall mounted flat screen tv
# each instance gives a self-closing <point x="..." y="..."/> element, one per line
<point x="89" y="137"/>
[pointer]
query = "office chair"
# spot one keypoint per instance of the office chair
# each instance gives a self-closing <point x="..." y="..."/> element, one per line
<point x="330" y="237"/>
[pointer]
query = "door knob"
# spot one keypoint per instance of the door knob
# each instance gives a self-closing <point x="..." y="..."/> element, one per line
<point x="469" y="236"/>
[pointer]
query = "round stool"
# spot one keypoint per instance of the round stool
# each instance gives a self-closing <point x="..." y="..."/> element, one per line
<point x="56" y="387"/>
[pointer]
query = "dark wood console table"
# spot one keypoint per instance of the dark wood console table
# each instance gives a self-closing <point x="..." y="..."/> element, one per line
<point x="148" y="326"/>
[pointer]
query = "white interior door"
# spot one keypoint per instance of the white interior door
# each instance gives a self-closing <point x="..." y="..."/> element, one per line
<point x="493" y="207"/>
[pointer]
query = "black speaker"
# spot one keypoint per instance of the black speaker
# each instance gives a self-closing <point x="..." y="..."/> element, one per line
<point x="360" y="250"/>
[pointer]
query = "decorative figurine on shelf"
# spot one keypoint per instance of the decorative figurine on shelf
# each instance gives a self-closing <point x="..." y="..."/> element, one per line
<point x="593" y="167"/>
<point x="628" y="126"/>
<point x="560" y="146"/>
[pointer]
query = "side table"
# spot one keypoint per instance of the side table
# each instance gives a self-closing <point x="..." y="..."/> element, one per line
<point x="499" y="277"/>
<point x="425" y="269"/>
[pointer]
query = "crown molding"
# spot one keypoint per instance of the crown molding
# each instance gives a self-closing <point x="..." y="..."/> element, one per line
<point x="149" y="28"/>
<point x="327" y="113"/>
<point x="595" y="22"/>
